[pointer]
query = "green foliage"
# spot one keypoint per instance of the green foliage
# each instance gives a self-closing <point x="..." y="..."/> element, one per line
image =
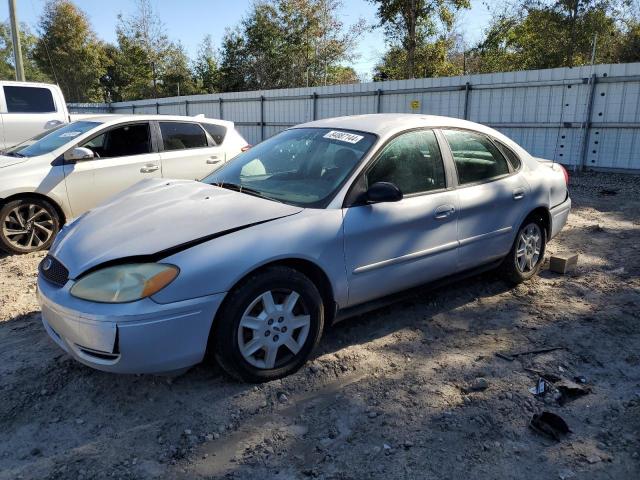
<point x="233" y="64"/>
<point x="294" y="43"/>
<point x="431" y="60"/>
<point x="205" y="68"/>
<point x="556" y="34"/>
<point x="69" y="52"/>
<point x="28" y="42"/>
<point x="288" y="43"/>
<point x="411" y="28"/>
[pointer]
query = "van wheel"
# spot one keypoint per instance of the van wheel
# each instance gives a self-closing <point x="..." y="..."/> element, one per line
<point x="527" y="253"/>
<point x="268" y="326"/>
<point x="28" y="225"/>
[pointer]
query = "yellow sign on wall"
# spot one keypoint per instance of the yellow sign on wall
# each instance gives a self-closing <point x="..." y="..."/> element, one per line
<point x="415" y="104"/>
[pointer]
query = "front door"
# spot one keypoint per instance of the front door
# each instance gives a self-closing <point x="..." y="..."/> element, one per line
<point x="393" y="246"/>
<point x="187" y="152"/>
<point x="490" y="197"/>
<point x="123" y="156"/>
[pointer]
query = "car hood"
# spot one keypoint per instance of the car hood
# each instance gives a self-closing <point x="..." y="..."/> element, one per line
<point x="158" y="217"/>
<point x="6" y="161"/>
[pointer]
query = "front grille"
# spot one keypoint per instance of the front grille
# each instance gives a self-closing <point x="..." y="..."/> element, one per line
<point x="54" y="271"/>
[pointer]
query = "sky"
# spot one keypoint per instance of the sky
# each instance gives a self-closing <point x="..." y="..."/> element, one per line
<point x="190" y="20"/>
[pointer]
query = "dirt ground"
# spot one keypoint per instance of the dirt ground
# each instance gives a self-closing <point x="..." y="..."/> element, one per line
<point x="386" y="396"/>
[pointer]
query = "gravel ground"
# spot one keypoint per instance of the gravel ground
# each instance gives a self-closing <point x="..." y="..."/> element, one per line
<point x="413" y="390"/>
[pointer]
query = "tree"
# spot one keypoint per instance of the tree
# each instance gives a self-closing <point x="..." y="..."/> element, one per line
<point x="288" y="43"/>
<point x="233" y="63"/>
<point x="431" y="59"/>
<point x="69" y="52"/>
<point x="205" y="68"/>
<point x="556" y="34"/>
<point x="28" y="41"/>
<point x="143" y="49"/>
<point x="176" y="76"/>
<point x="409" y="25"/>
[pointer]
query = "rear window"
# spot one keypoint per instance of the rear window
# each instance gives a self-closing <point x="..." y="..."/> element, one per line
<point x="181" y="136"/>
<point x="28" y="99"/>
<point x="514" y="160"/>
<point x="217" y="132"/>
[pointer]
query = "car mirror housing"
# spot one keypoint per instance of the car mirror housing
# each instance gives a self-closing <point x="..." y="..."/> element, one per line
<point x="381" y="192"/>
<point x="78" y="154"/>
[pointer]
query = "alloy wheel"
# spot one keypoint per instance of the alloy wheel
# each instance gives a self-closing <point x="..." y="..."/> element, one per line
<point x="273" y="329"/>
<point x="28" y="226"/>
<point x="529" y="247"/>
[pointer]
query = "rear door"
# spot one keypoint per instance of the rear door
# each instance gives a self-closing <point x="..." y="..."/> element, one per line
<point x="392" y="246"/>
<point x="492" y="196"/>
<point x="28" y="111"/>
<point x="188" y="151"/>
<point x="125" y="154"/>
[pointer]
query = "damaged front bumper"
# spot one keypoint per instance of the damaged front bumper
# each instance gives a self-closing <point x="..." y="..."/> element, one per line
<point x="138" y="337"/>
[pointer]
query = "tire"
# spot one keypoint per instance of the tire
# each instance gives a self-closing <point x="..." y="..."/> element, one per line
<point x="37" y="218"/>
<point x="278" y="309"/>
<point x="517" y="269"/>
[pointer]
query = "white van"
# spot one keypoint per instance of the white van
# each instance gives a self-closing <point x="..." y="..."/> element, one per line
<point x="29" y="108"/>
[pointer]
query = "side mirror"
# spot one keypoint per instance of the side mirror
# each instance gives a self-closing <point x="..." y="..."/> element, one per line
<point x="78" y="154"/>
<point x="381" y="192"/>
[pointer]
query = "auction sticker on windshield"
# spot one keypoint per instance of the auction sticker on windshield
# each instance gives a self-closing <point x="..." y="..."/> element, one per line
<point x="70" y="134"/>
<point x="344" y="136"/>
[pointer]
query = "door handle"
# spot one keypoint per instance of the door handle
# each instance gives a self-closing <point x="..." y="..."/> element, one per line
<point x="444" y="211"/>
<point x="149" y="168"/>
<point x="518" y="193"/>
<point x="213" y="159"/>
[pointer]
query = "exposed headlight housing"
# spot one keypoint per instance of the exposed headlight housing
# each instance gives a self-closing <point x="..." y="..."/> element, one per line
<point x="125" y="283"/>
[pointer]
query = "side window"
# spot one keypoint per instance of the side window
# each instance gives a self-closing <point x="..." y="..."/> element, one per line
<point x="514" y="160"/>
<point x="181" y="136"/>
<point x="412" y="162"/>
<point x="476" y="158"/>
<point x="217" y="132"/>
<point x="123" y="141"/>
<point x="29" y="99"/>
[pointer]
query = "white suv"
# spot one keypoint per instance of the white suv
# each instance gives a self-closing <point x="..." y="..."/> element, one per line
<point x="63" y="172"/>
<point x="27" y="109"/>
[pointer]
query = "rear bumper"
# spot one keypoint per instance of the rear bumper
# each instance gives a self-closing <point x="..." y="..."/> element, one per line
<point x="559" y="216"/>
<point x="140" y="337"/>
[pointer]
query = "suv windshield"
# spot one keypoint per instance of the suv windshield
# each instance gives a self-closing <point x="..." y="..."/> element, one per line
<point x="301" y="166"/>
<point x="50" y="140"/>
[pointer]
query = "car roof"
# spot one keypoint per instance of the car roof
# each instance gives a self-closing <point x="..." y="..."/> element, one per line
<point x="384" y="124"/>
<point x="111" y="118"/>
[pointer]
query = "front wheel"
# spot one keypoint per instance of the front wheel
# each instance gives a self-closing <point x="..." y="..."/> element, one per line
<point x="268" y="326"/>
<point x="527" y="253"/>
<point x="28" y="225"/>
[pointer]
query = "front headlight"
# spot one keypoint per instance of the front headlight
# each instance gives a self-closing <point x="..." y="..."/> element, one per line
<point x="125" y="283"/>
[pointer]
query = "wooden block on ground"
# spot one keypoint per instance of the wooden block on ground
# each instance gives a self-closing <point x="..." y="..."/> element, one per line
<point x="563" y="262"/>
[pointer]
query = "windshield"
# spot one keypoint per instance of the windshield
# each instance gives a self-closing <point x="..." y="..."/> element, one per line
<point x="50" y="140"/>
<point x="301" y="166"/>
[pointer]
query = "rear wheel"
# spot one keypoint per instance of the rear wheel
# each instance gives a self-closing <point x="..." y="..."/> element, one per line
<point x="527" y="253"/>
<point x="268" y="326"/>
<point x="28" y="225"/>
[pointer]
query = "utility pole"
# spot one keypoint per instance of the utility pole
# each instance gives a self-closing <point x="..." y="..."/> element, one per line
<point x="15" y="34"/>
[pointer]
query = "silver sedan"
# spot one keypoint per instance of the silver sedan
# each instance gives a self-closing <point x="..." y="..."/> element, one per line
<point x="320" y="221"/>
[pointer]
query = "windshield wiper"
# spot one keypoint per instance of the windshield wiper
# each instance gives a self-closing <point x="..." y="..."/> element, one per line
<point x="242" y="189"/>
<point x="12" y="154"/>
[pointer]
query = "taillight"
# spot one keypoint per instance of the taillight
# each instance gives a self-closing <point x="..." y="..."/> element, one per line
<point x="566" y="175"/>
<point x="245" y="148"/>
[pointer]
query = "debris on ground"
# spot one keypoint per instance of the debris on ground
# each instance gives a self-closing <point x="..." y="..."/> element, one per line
<point x="563" y="262"/>
<point x="512" y="356"/>
<point x="134" y="425"/>
<point x="550" y="425"/>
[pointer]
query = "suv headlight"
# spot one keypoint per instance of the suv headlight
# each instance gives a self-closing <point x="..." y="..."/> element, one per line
<point x="125" y="283"/>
